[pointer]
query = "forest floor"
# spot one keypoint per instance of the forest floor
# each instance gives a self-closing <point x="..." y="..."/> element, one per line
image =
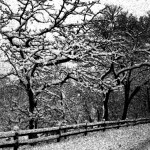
<point x="126" y="138"/>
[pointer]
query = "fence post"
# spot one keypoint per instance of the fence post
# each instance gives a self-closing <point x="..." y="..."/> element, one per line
<point x="59" y="133"/>
<point x="65" y="130"/>
<point x="103" y="125"/>
<point x="134" y="123"/>
<point x="118" y="124"/>
<point x="127" y="124"/>
<point x="85" y="128"/>
<point x="16" y="137"/>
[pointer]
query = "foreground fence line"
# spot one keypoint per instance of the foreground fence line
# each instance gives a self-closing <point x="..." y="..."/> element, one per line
<point x="56" y="133"/>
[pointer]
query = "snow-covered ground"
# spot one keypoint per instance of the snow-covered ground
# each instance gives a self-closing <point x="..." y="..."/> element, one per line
<point x="127" y="138"/>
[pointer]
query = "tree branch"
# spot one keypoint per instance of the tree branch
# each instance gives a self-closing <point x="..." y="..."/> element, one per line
<point x="133" y="67"/>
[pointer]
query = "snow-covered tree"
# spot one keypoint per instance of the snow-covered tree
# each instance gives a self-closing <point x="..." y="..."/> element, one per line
<point x="32" y="44"/>
<point x="124" y="52"/>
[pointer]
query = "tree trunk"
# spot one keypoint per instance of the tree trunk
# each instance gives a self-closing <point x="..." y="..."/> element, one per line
<point x="90" y="119"/>
<point x="148" y="99"/>
<point x="32" y="106"/>
<point x="125" y="110"/>
<point x="126" y="101"/>
<point x="128" y="97"/>
<point x="98" y="115"/>
<point x="105" y="105"/>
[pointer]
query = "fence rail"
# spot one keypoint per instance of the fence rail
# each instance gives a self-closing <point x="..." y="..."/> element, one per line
<point x="56" y="133"/>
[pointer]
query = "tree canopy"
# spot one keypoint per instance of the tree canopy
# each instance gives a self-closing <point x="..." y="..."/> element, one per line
<point x="96" y="53"/>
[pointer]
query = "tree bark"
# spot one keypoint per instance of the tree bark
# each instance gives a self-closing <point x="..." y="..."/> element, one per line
<point x="90" y="119"/>
<point x="105" y="105"/>
<point x="128" y="97"/>
<point x="98" y="115"/>
<point x="126" y="101"/>
<point x="148" y="99"/>
<point x="125" y="110"/>
<point x="32" y="106"/>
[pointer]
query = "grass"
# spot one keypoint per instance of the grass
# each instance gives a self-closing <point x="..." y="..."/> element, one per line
<point x="127" y="138"/>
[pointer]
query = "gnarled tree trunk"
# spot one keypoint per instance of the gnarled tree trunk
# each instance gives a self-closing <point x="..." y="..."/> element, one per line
<point x="105" y="105"/>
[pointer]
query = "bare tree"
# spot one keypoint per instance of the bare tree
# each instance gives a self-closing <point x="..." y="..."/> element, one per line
<point x="30" y="43"/>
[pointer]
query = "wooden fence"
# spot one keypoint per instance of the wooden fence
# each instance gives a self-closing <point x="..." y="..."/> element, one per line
<point x="47" y="134"/>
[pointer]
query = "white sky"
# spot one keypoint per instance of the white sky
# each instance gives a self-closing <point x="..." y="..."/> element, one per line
<point x="137" y="7"/>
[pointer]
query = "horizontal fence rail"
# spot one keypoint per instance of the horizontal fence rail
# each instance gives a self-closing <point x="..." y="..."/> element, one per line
<point x="15" y="138"/>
